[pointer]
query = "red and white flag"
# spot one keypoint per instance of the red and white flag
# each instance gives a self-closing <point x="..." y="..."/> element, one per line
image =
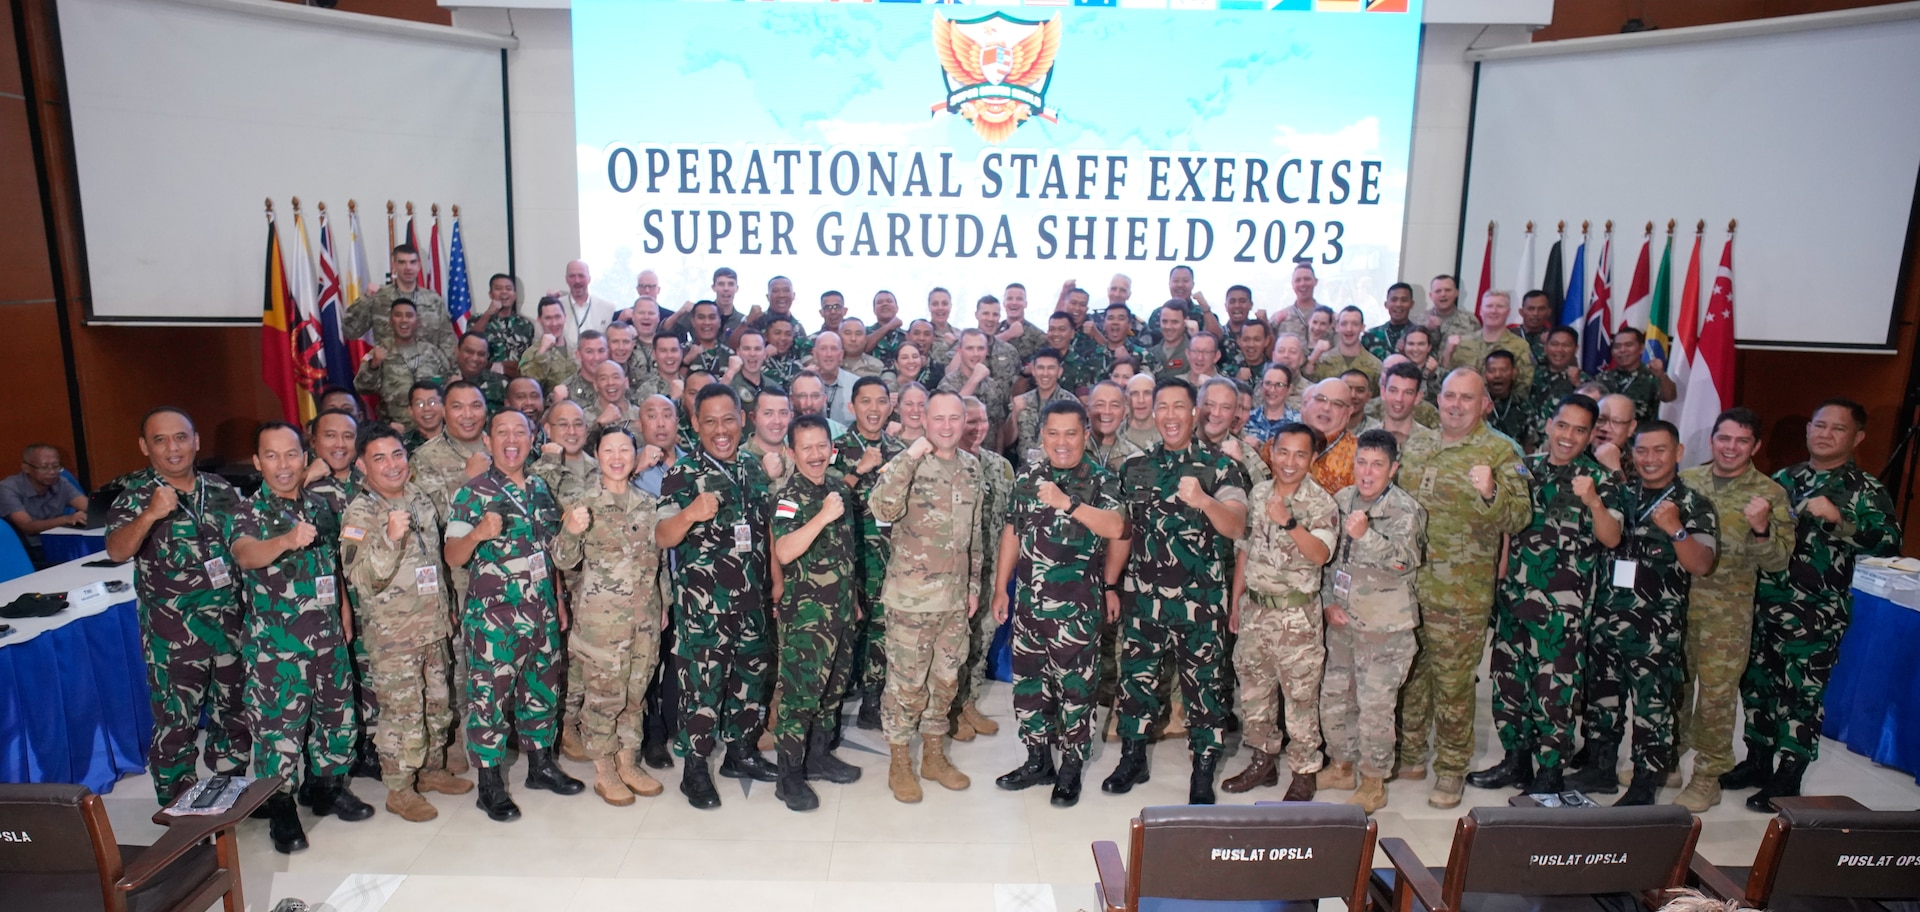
<point x="1710" y="380"/>
<point x="431" y="260"/>
<point x="1686" y="337"/>
<point x="1486" y="275"/>
<point x="1640" y="289"/>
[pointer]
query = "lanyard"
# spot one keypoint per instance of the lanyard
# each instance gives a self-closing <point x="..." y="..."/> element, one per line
<point x="739" y="484"/>
<point x="1650" y="507"/>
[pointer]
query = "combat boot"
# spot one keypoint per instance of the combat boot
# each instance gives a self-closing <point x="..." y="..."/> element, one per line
<point x="1701" y="793"/>
<point x="1301" y="788"/>
<point x="1643" y="790"/>
<point x="1200" y="786"/>
<point x="1260" y="771"/>
<point x="1371" y="795"/>
<point x="443" y="782"/>
<point x="1038" y="770"/>
<point x="985" y="726"/>
<point x="900" y="778"/>
<point x="1785" y="783"/>
<point x="792" y="786"/>
<point x="960" y="728"/>
<point x="332" y="798"/>
<point x="697" y="784"/>
<point x="1336" y="776"/>
<point x="1546" y="780"/>
<point x="543" y="773"/>
<point x="457" y="760"/>
<point x="1752" y="772"/>
<point x="1066" y="783"/>
<point x="1447" y="789"/>
<point x="405" y="803"/>
<point x="1599" y="777"/>
<point x="636" y="779"/>
<point x="1131" y="770"/>
<point x="608" y="785"/>
<point x="283" y="824"/>
<point x="1513" y="769"/>
<point x="493" y="796"/>
<point x="571" y="747"/>
<point x="869" y="717"/>
<point x="743" y="762"/>
<point x="822" y="764"/>
<point x="934" y="766"/>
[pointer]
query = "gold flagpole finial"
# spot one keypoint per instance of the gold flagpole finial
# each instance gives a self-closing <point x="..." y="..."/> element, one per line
<point x="409" y="208"/>
<point x="1669" y="226"/>
<point x="436" y="210"/>
<point x="1584" y="225"/>
<point x="456" y="210"/>
<point x="1529" y="226"/>
<point x="1730" y="224"/>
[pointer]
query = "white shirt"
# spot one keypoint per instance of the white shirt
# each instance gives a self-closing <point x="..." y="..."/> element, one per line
<point x="596" y="314"/>
<point x="840" y="396"/>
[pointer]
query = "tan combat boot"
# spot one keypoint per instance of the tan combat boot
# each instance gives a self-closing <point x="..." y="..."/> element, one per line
<point x="1371" y="795"/>
<point x="637" y="780"/>
<point x="1701" y="793"/>
<point x="981" y="723"/>
<point x="1337" y="776"/>
<point x="570" y="745"/>
<point x="607" y="784"/>
<point x="443" y="782"/>
<point x="934" y="766"/>
<point x="1413" y="772"/>
<point x="1447" y="788"/>
<point x="900" y="778"/>
<point x="962" y="727"/>
<point x="406" y="804"/>
<point x="457" y="760"/>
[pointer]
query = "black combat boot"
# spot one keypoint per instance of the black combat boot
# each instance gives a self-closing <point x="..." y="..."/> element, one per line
<point x="697" y="784"/>
<point x="331" y="797"/>
<point x="1752" y="772"/>
<point x="542" y="773"/>
<point x="493" y="797"/>
<point x="1066" y="783"/>
<point x="1514" y="770"/>
<point x="743" y="762"/>
<point x="1132" y="769"/>
<point x="1784" y="783"/>
<point x="1644" y="790"/>
<point x="1200" y="789"/>
<point x="1038" y="770"/>
<point x="792" y="786"/>
<point x="869" y="716"/>
<point x="283" y="824"/>
<point x="822" y="765"/>
<point x="1546" y="780"/>
<point x="1599" y="777"/>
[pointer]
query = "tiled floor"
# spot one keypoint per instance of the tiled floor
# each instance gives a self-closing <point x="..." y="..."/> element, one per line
<point x="980" y="850"/>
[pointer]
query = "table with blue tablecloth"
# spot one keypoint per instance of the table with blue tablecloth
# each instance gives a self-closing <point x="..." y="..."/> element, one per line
<point x="1873" y="698"/>
<point x="63" y="544"/>
<point x="73" y="687"/>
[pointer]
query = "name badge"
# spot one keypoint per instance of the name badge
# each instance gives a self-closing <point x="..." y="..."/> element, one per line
<point x="89" y="595"/>
<point x="217" y="573"/>
<point x="1342" y="583"/>
<point x="426" y="580"/>
<point x="742" y="538"/>
<point x="537" y="566"/>
<point x="326" y="589"/>
<point x="1624" y="573"/>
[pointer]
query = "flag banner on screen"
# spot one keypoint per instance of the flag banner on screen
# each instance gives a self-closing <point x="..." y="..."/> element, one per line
<point x="276" y="319"/>
<point x="1522" y="277"/>
<point x="333" y="343"/>
<point x="459" y="295"/>
<point x="1596" y="343"/>
<point x="1639" y="289"/>
<point x="1710" y="381"/>
<point x="970" y="146"/>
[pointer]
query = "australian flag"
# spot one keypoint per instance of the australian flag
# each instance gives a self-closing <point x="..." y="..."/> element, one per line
<point x="1596" y="342"/>
<point x="459" y="297"/>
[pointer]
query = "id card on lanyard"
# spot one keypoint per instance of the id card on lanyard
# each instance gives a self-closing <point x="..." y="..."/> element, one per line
<point x="219" y="575"/>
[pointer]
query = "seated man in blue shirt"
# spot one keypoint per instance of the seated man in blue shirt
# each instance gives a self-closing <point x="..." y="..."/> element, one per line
<point x="40" y="498"/>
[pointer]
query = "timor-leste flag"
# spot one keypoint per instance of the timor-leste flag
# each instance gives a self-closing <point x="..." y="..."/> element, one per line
<point x="276" y="342"/>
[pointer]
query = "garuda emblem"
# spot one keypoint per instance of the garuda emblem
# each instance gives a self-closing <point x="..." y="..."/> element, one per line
<point x="997" y="70"/>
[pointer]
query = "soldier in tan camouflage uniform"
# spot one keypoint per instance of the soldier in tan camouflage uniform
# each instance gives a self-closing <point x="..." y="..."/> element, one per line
<point x="613" y="587"/>
<point x="389" y="372"/>
<point x="968" y="720"/>
<point x="1276" y="612"/>
<point x="932" y="494"/>
<point x="368" y="314"/>
<point x="440" y="466"/>
<point x="390" y="552"/>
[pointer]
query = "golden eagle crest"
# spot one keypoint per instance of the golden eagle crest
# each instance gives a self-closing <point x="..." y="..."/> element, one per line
<point x="997" y="70"/>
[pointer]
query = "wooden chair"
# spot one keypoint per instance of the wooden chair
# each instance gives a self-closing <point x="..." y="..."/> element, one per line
<point x="1546" y="860"/>
<point x="1825" y="854"/>
<point x="1265" y="857"/>
<point x="57" y="854"/>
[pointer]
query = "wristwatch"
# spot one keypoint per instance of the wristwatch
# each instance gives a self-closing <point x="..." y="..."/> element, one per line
<point x="1073" y="503"/>
<point x="1292" y="523"/>
<point x="1681" y="535"/>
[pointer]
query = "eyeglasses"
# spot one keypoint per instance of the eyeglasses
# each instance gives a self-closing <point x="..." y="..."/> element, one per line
<point x="49" y="467"/>
<point x="1336" y="403"/>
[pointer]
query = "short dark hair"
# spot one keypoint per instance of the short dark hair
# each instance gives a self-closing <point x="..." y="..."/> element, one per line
<point x="1123" y="308"/>
<point x="1184" y="266"/>
<point x="1354" y="371"/>
<point x="1564" y="329"/>
<point x="725" y="271"/>
<point x="1277" y="366"/>
<point x="816" y="422"/>
<point x="1858" y="411"/>
<point x="1456" y="282"/>
<point x="1399" y="286"/>
<point x="1742" y="416"/>
<point x="1500" y="353"/>
<point x="667" y="337"/>
<point x="1583" y="403"/>
<point x="1064" y="407"/>
<point x="771" y="389"/>
<point x="165" y="410"/>
<point x="1046" y="351"/>
<point x="544" y="301"/>
<point x="1656" y="425"/>
<point x="1233" y="288"/>
<point x="589" y="335"/>
<point x="1297" y="427"/>
<point x="399" y="301"/>
<point x="865" y="382"/>
<point x="830" y="293"/>
<point x="1175" y="383"/>
<point x="334" y="411"/>
<point x="470" y="385"/>
<point x="399" y="249"/>
<point x="715" y="390"/>
<point x="1380" y="440"/>
<point x="378" y="430"/>
<point x="610" y="430"/>
<point x="1405" y="370"/>
<point x="1012" y="285"/>
<point x="523" y="417"/>
<point x="419" y="385"/>
<point x="947" y="392"/>
<point x="266" y="427"/>
<point x="1422" y="330"/>
<point x="1060" y="315"/>
<point x="1536" y="293"/>
<point x="1638" y="336"/>
<point x="501" y="275"/>
<point x="696" y="305"/>
<point x="1352" y="309"/>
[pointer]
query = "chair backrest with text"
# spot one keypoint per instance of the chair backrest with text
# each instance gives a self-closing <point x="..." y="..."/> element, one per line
<point x="1265" y="857"/>
<point x="52" y="839"/>
<point x="1569" y="851"/>
<point x="1850" y="854"/>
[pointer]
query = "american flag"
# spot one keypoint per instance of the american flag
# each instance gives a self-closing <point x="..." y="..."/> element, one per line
<point x="459" y="297"/>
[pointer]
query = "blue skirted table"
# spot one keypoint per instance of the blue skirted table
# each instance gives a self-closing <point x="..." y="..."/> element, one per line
<point x="1873" y="698"/>
<point x="65" y="544"/>
<point x="73" y="687"/>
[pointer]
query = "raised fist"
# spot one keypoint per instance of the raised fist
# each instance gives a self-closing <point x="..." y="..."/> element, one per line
<point x="650" y="456"/>
<point x="1583" y="487"/>
<point x="165" y="501"/>
<point x="490" y="526"/>
<point x="920" y="447"/>
<point x="1667" y="517"/>
<point x="560" y="393"/>
<point x="1481" y="477"/>
<point x="577" y="520"/>
<point x="1051" y="495"/>
<point x="869" y="460"/>
<point x="547" y="342"/>
<point x="302" y="534"/>
<point x="609" y="414"/>
<point x="377" y="355"/>
<point x="1356" y="524"/>
<point x="1607" y="454"/>
<point x="1189" y="492"/>
<point x="1231" y="447"/>
<point x="772" y="465"/>
<point x="1277" y="509"/>
<point x="397" y="523"/>
<point x="317" y="470"/>
<point x="833" y="507"/>
<point x="981" y="371"/>
<point x="1758" y="511"/>
<point x="477" y="464"/>
<point x="1823" y="508"/>
<point x="704" y="507"/>
<point x="551" y="449"/>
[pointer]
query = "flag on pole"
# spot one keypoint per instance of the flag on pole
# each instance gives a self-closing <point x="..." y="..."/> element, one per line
<point x="276" y="345"/>
<point x="1554" y="283"/>
<point x="1639" y="292"/>
<point x="459" y="296"/>
<point x="309" y="354"/>
<point x="1486" y="275"/>
<point x="410" y="242"/>
<point x="333" y="343"/>
<point x="1686" y="334"/>
<point x="1573" y="304"/>
<point x="1522" y="277"/>
<point x="1710" y="381"/>
<point x="1596" y="342"/>
<point x="431" y="260"/>
<point x="355" y="277"/>
<point x="1659" y="311"/>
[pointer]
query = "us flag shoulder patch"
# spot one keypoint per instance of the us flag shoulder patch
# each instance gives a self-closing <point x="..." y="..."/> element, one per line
<point x="353" y="533"/>
<point x="786" y="509"/>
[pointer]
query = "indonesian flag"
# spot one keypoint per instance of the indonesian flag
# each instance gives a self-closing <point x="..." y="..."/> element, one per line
<point x="786" y="509"/>
<point x="1710" y="384"/>
<point x="1486" y="276"/>
<point x="1639" y="291"/>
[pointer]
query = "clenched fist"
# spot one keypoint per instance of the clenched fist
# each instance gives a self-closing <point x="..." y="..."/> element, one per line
<point x="1758" y="511"/>
<point x="302" y="534"/>
<point x="1481" y="477"/>
<point x="490" y="526"/>
<point x="704" y="507"/>
<point x="1823" y="508"/>
<point x="1277" y="509"/>
<point x="771" y="463"/>
<point x="1189" y="492"/>
<point x="551" y="449"/>
<point x="397" y="523"/>
<point x="1356" y="524"/>
<point x="650" y="456"/>
<point x="833" y="507"/>
<point x="981" y="371"/>
<point x="1607" y="454"/>
<point x="376" y="356"/>
<point x="317" y="470"/>
<point x="920" y="447"/>
<point x="1667" y="517"/>
<point x="869" y="461"/>
<point x="478" y="464"/>
<point x="1583" y="488"/>
<point x="1051" y="495"/>
<point x="165" y="501"/>
<point x="577" y="520"/>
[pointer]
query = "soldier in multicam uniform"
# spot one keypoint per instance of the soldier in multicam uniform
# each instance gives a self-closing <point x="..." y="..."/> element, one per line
<point x="1469" y="480"/>
<point x="858" y="455"/>
<point x="1186" y="504"/>
<point x="1841" y="513"/>
<point x="390" y="372"/>
<point x="932" y="494"/>
<point x="440" y="466"/>
<point x="390" y="555"/>
<point x="1756" y="536"/>
<point x="592" y="351"/>
<point x="368" y="313"/>
<point x="1371" y="613"/>
<point x="429" y="414"/>
<point x="968" y="720"/>
<point x="613" y="589"/>
<point x="500" y="527"/>
<point x="300" y="681"/>
<point x="1107" y="414"/>
<point x="563" y="461"/>
<point x="1639" y="619"/>
<point x="1281" y="650"/>
<point x="1540" y="611"/>
<point x="714" y="513"/>
<point x="1646" y="384"/>
<point x="1472" y="350"/>
<point x="1024" y="430"/>
<point x="1065" y="508"/>
<point x="814" y="542"/>
<point x="167" y="521"/>
<point x="972" y="374"/>
<point x="333" y="478"/>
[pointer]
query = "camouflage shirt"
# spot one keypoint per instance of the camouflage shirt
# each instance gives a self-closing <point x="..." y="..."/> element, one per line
<point x="1741" y="555"/>
<point x="1030" y="340"/>
<point x="1175" y="546"/>
<point x="400" y="600"/>
<point x="293" y="602"/>
<point x="1377" y="589"/>
<point x="825" y="572"/>
<point x="886" y="348"/>
<point x="714" y="360"/>
<point x="1638" y="384"/>
<point x="848" y="449"/>
<point x="721" y="564"/>
<point x="1112" y="454"/>
<point x="1085" y="363"/>
<point x="992" y="392"/>
<point x="440" y="468"/>
<point x="393" y="379"/>
<point x="1384" y="340"/>
<point x="1557" y="551"/>
<point x="369" y="314"/>
<point x="1274" y="564"/>
<point x="613" y="568"/>
<point x="1821" y="568"/>
<point x="508" y="337"/>
<point x="1472" y="353"/>
<point x="1660" y="584"/>
<point x="512" y="570"/>
<point x="1061" y="569"/>
<point x="568" y="479"/>
<point x="935" y="507"/>
<point x="171" y="569"/>
<point x="994" y="511"/>
<point x="1027" y="446"/>
<point x="1550" y="388"/>
<point x="1464" y="529"/>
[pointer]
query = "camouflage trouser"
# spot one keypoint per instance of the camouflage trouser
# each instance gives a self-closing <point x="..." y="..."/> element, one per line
<point x="299" y="705"/>
<point x="723" y="695"/>
<point x="1357" y="697"/>
<point x="456" y="741"/>
<point x="816" y="661"/>
<point x="513" y="682"/>
<point x="1794" y="648"/>
<point x="872" y="645"/>
<point x="613" y="653"/>
<point x="1438" y="695"/>
<point x="924" y="652"/>
<point x="1197" y="646"/>
<point x="1280" y="654"/>
<point x="973" y="667"/>
<point x="413" y="685"/>
<point x="576" y="689"/>
<point x="1539" y="654"/>
<point x="366" y="700"/>
<point x="194" y="666"/>
<point x="1718" y="638"/>
<point x="1054" y="661"/>
<point x="1637" y="657"/>
<point x="1107" y="685"/>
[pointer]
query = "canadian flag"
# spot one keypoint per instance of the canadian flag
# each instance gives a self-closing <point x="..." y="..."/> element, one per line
<point x="1710" y="378"/>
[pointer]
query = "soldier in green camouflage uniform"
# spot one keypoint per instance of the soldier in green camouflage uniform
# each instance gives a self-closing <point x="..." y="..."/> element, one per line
<point x="1186" y="504"/>
<point x="390" y="555"/>
<point x="613" y="587"/>
<point x="1065" y="507"/>
<point x="1646" y="384"/>
<point x="1281" y="648"/>
<point x="300" y="679"/>
<point x="500" y="527"/>
<point x="818" y="610"/>
<point x="390" y="372"/>
<point x="167" y="520"/>
<point x="1045" y="366"/>
<point x="470" y="364"/>
<point x="1557" y="378"/>
<point x="858" y="455"/>
<point x="714" y="513"/>
<point x="884" y="335"/>
<point x="1756" y="536"/>
<point x="998" y="475"/>
<point x="1638" y="632"/>
<point x="1468" y="479"/>
<point x="1540" y="612"/>
<point x="507" y="331"/>
<point x="1840" y="513"/>
<point x="333" y="478"/>
<point x="1084" y="361"/>
<point x="1384" y="340"/>
<point x="1510" y="401"/>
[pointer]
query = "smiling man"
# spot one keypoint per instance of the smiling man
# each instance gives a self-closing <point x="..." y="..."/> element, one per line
<point x="858" y="455"/>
